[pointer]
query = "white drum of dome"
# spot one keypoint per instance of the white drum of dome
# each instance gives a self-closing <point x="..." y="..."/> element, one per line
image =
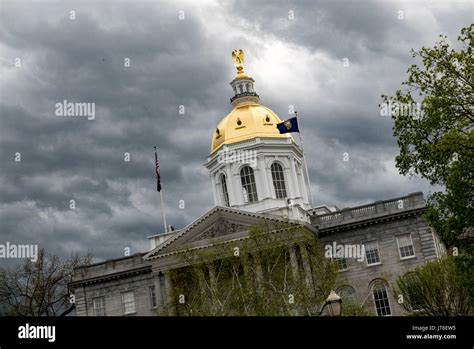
<point x="226" y="156"/>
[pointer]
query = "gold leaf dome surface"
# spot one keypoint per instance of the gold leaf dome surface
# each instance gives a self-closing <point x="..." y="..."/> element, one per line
<point x="246" y="121"/>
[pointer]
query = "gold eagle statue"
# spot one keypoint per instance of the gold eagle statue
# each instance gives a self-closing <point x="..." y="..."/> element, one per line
<point x="238" y="58"/>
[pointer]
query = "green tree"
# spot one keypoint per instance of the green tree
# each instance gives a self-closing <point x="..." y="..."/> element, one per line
<point x="439" y="288"/>
<point x="435" y="136"/>
<point x="260" y="280"/>
<point x="350" y="308"/>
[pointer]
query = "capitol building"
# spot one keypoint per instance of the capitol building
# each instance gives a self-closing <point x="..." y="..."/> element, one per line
<point x="258" y="174"/>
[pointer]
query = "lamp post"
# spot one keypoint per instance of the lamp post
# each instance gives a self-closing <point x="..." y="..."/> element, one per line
<point x="333" y="303"/>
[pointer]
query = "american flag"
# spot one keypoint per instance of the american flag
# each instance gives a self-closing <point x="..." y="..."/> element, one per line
<point x="157" y="171"/>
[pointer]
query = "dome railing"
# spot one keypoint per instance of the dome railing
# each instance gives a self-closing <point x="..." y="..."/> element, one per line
<point x="244" y="94"/>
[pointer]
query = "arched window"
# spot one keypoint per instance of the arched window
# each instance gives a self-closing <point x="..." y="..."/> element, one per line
<point x="241" y="89"/>
<point x="247" y="87"/>
<point x="347" y="293"/>
<point x="382" y="304"/>
<point x="278" y="180"/>
<point x="249" y="188"/>
<point x="225" y="193"/>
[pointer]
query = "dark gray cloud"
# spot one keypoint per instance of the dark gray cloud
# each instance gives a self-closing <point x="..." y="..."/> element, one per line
<point x="187" y="62"/>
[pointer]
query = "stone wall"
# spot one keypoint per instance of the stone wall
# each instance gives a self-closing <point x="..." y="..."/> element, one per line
<point x="360" y="276"/>
<point x="383" y="222"/>
<point x="110" y="279"/>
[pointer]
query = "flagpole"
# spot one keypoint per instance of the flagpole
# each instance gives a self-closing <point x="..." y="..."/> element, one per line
<point x="161" y="193"/>
<point x="163" y="211"/>
<point x="306" y="167"/>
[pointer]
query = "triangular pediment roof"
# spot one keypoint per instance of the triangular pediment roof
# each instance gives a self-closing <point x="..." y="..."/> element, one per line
<point x="216" y="225"/>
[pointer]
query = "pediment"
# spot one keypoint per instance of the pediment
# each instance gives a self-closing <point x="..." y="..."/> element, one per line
<point x="217" y="225"/>
<point x="221" y="228"/>
<point x="209" y="231"/>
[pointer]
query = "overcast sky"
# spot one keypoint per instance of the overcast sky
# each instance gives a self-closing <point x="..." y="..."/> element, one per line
<point x="294" y="51"/>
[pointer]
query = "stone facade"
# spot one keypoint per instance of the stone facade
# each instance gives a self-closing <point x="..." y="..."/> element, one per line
<point x="110" y="280"/>
<point x="147" y="274"/>
<point x="381" y="222"/>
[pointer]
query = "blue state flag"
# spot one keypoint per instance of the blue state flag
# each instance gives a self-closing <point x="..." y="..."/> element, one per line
<point x="290" y="125"/>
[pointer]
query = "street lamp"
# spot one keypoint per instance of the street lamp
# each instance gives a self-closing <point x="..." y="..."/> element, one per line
<point x="333" y="303"/>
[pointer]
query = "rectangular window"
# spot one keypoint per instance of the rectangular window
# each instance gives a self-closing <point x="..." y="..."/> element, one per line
<point x="152" y="297"/>
<point x="99" y="306"/>
<point x="405" y="246"/>
<point x="128" y="303"/>
<point x="372" y="253"/>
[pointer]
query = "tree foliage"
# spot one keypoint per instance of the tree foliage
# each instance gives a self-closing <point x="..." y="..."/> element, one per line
<point x="438" y="142"/>
<point x="260" y="280"/>
<point x="439" y="288"/>
<point x="39" y="288"/>
<point x="350" y="308"/>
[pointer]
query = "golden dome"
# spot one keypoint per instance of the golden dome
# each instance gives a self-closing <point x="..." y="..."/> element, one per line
<point x="246" y="121"/>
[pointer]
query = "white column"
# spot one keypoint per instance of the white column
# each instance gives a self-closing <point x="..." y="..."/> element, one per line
<point x="203" y="287"/>
<point x="264" y="191"/>
<point x="308" y="278"/>
<point x="170" y="306"/>
<point x="212" y="274"/>
<point x="159" y="294"/>
<point x="291" y="188"/>
<point x="219" y="193"/>
<point x="294" y="264"/>
<point x="302" y="186"/>
<point x="257" y="265"/>
<point x="214" y="189"/>
<point x="271" y="188"/>
<point x="258" y="183"/>
<point x="247" y="270"/>
<point x="294" y="179"/>
<point x="213" y="284"/>
<point x="230" y="186"/>
<point x="237" y="184"/>
<point x="248" y="275"/>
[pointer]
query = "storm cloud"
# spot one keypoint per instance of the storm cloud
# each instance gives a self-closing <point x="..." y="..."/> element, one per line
<point x="179" y="56"/>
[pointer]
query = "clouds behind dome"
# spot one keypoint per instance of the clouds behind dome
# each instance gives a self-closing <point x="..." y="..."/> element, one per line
<point x="187" y="63"/>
